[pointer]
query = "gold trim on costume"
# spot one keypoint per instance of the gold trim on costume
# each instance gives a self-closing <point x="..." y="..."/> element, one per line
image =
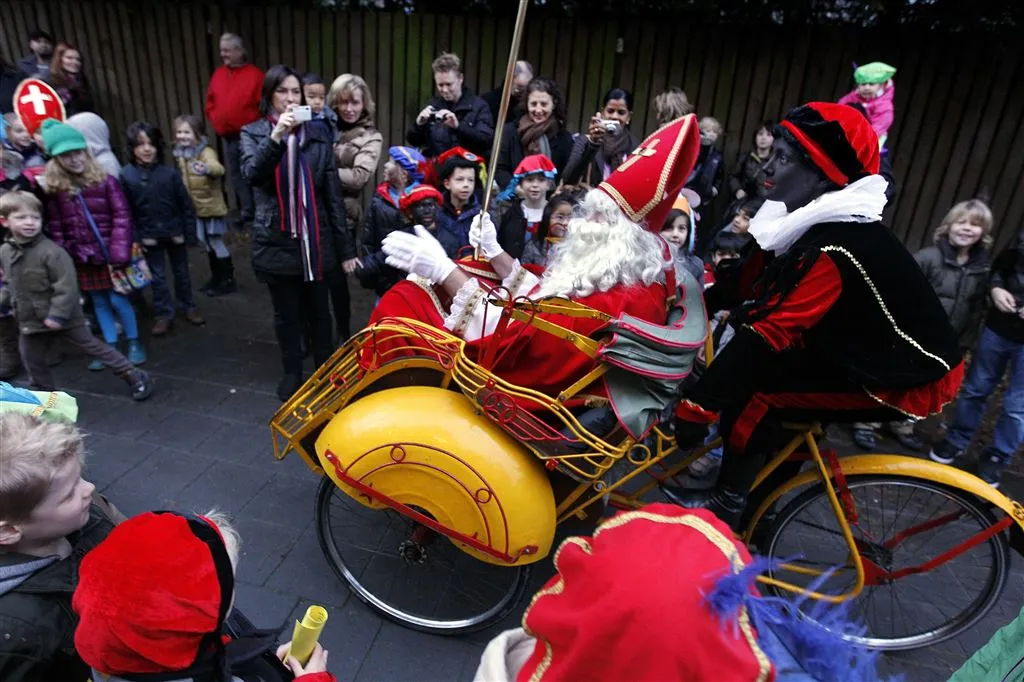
<point x="712" y="534"/>
<point x="874" y="290"/>
<point x="424" y="283"/>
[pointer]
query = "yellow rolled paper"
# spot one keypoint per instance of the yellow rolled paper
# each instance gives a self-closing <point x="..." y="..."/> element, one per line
<point x="307" y="632"/>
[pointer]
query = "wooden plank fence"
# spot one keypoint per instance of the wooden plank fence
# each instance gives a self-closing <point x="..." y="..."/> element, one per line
<point x="959" y="128"/>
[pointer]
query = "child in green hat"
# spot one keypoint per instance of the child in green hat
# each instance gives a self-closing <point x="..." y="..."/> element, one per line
<point x="875" y="92"/>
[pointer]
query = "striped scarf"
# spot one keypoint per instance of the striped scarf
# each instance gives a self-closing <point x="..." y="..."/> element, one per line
<point x="296" y="199"/>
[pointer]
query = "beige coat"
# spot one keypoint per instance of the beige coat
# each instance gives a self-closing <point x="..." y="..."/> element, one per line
<point x="206" y="190"/>
<point x="358" y="153"/>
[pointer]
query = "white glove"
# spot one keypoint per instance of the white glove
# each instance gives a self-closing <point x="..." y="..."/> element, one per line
<point x="482" y="235"/>
<point x="419" y="254"/>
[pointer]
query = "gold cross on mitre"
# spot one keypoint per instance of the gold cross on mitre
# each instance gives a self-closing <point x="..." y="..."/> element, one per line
<point x="640" y="152"/>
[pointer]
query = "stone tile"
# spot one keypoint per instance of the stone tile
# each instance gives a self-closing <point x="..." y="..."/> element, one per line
<point x="285" y="500"/>
<point x="163" y="474"/>
<point x="238" y="443"/>
<point x="189" y="395"/>
<point x="249" y="406"/>
<point x="134" y="502"/>
<point x="181" y="430"/>
<point x="265" y="608"/>
<point x="130" y="420"/>
<point x="225" y="486"/>
<point x="305" y="572"/>
<point x="423" y="657"/>
<point x="108" y="458"/>
<point x="264" y="546"/>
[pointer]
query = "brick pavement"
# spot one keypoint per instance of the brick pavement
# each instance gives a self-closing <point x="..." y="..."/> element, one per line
<point x="202" y="442"/>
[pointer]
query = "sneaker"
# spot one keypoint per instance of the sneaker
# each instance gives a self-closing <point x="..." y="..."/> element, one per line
<point x="704" y="466"/>
<point x="161" y="327"/>
<point x="945" y="453"/>
<point x="140" y="383"/>
<point x="866" y="439"/>
<point x="136" y="353"/>
<point x="991" y="465"/>
<point x="194" y="317"/>
<point x="96" y="366"/>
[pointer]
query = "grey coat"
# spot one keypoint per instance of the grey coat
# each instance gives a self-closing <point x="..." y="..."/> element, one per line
<point x="961" y="288"/>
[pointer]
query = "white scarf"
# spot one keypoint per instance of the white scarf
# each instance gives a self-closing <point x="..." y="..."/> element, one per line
<point x="775" y="229"/>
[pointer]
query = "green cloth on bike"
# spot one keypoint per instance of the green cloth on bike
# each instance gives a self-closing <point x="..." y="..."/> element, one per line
<point x="1000" y="660"/>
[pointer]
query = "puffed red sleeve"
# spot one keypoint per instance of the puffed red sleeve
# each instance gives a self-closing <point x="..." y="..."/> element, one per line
<point x="803" y="307"/>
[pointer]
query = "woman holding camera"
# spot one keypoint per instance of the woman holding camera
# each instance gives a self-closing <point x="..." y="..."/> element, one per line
<point x="299" y="231"/>
<point x="539" y="130"/>
<point x="605" y="146"/>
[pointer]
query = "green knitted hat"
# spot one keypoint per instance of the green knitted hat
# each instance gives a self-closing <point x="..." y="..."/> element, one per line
<point x="875" y="72"/>
<point x="59" y="138"/>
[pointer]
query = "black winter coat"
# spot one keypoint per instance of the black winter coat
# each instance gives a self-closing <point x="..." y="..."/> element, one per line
<point x="961" y="288"/>
<point x="161" y="206"/>
<point x="586" y="162"/>
<point x="382" y="218"/>
<point x="511" y="230"/>
<point x="1008" y="273"/>
<point x="37" y="625"/>
<point x="274" y="252"/>
<point x="707" y="177"/>
<point x="748" y="176"/>
<point x="475" y="131"/>
<point x="512" y="152"/>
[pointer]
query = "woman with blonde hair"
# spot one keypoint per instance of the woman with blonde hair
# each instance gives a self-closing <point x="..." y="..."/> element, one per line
<point x="359" y="143"/>
<point x="957" y="266"/>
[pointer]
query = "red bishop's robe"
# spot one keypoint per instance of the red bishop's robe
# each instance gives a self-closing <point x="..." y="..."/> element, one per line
<point x="525" y="355"/>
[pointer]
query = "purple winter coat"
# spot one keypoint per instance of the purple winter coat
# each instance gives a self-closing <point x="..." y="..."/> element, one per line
<point x="70" y="229"/>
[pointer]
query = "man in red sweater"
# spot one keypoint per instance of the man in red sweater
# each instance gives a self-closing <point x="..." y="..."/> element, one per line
<point x="232" y="101"/>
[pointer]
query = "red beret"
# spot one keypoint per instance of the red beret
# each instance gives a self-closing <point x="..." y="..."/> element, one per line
<point x="153" y="595"/>
<point x="631" y="603"/>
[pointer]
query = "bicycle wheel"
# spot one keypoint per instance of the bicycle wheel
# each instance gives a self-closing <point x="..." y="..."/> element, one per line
<point x="919" y="520"/>
<point x="408" y="573"/>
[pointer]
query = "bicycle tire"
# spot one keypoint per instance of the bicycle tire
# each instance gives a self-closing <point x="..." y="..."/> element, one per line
<point x="994" y="582"/>
<point x="353" y="579"/>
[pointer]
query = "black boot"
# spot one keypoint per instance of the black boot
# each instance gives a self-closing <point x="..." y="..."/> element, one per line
<point x="724" y="502"/>
<point x="215" y="275"/>
<point x="139" y="383"/>
<point x="226" y="284"/>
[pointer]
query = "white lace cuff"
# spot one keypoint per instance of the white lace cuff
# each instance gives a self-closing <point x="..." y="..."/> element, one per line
<point x="520" y="281"/>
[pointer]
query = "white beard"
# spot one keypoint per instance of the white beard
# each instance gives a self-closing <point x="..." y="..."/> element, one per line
<point x="602" y="249"/>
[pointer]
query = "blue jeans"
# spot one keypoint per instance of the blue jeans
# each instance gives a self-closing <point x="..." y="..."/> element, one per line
<point x="156" y="257"/>
<point x="108" y="303"/>
<point x="991" y="356"/>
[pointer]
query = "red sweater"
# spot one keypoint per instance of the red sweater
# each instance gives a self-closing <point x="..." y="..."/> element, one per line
<point x="233" y="98"/>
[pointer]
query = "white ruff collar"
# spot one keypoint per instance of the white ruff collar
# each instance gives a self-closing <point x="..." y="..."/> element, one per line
<point x="776" y="230"/>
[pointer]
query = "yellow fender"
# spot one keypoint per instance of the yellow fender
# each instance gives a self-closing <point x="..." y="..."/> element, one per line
<point x="911" y="467"/>
<point x="429" y="449"/>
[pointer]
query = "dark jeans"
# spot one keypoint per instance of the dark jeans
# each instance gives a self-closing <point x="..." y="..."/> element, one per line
<point x="34" y="349"/>
<point x="156" y="257"/>
<point x="299" y="306"/>
<point x="242" y="189"/>
<point x="337" y="283"/>
<point x="988" y="364"/>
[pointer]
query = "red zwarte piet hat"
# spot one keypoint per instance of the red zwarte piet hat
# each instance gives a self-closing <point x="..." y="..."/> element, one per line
<point x="419" y="193"/>
<point x="838" y="138"/>
<point x="630" y="603"/>
<point x="153" y="596"/>
<point x="648" y="181"/>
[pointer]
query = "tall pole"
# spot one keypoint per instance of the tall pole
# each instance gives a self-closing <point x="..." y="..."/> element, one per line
<point x="506" y="90"/>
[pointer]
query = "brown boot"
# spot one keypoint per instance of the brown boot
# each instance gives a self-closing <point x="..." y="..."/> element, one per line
<point x="195" y="318"/>
<point x="160" y="327"/>
<point x="10" y="359"/>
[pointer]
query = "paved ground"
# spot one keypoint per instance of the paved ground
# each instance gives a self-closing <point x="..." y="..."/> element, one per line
<point x="202" y="442"/>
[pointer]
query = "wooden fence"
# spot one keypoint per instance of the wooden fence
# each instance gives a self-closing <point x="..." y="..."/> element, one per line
<point x="959" y="129"/>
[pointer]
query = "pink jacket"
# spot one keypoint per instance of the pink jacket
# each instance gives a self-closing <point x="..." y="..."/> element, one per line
<point x="880" y="109"/>
<point x="70" y="229"/>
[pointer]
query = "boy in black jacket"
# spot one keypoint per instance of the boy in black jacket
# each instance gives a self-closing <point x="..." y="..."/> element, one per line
<point x="49" y="519"/>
